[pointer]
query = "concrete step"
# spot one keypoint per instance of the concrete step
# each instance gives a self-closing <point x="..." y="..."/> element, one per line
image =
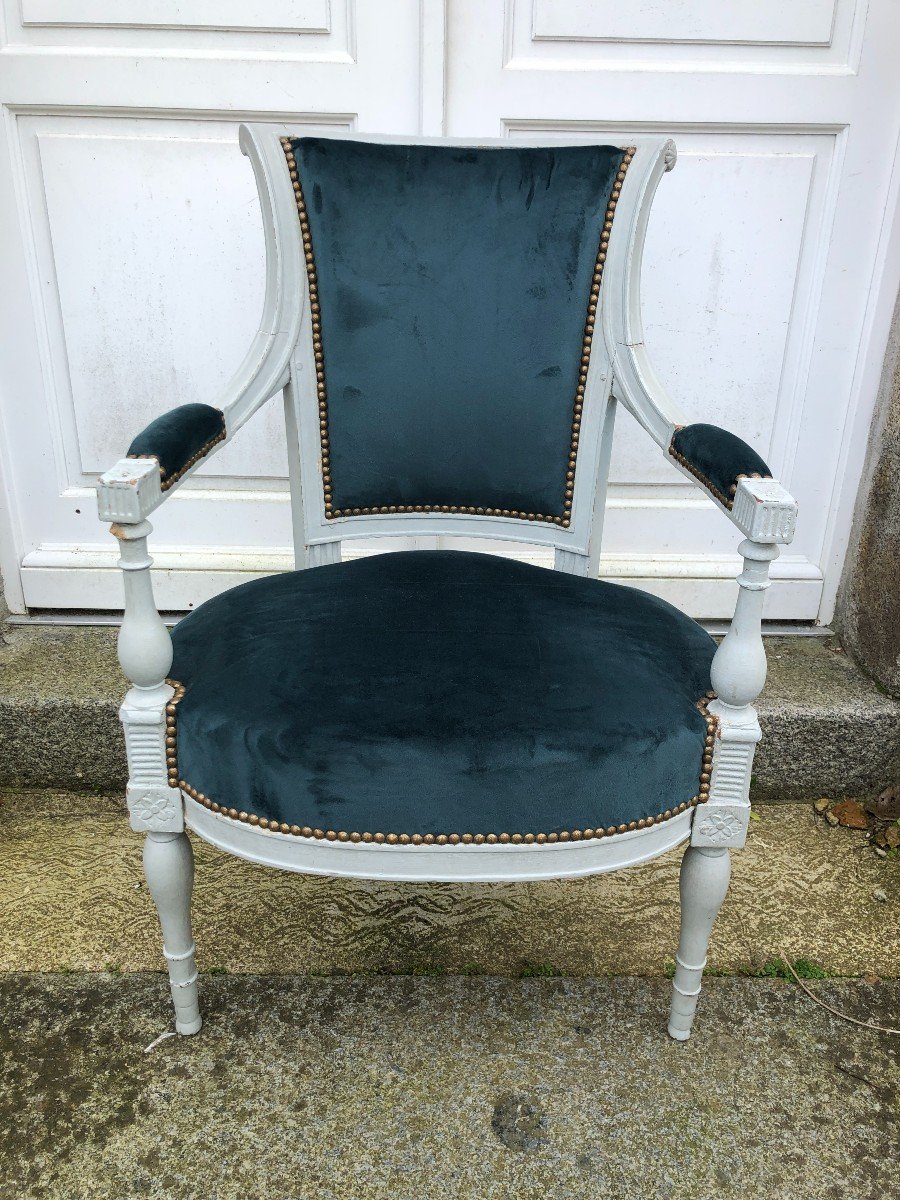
<point x="72" y="897"/>
<point x="828" y="730"/>
<point x="425" y="1089"/>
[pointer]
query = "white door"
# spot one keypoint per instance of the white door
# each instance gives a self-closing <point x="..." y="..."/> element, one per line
<point x="132" y="258"/>
<point x="773" y="255"/>
<point x="132" y="251"/>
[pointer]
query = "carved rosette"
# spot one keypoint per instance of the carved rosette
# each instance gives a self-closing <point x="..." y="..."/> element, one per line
<point x="155" y="808"/>
<point x="718" y="825"/>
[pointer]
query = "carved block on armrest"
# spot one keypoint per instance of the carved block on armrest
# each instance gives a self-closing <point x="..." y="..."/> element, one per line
<point x="764" y="511"/>
<point x="129" y="491"/>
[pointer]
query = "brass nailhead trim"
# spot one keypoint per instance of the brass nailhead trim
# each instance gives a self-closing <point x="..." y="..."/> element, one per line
<point x="165" y="482"/>
<point x="728" y="500"/>
<point x="439" y="839"/>
<point x="467" y="509"/>
<point x="171" y="739"/>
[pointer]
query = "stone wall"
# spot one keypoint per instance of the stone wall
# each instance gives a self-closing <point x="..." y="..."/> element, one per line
<point x="868" y="608"/>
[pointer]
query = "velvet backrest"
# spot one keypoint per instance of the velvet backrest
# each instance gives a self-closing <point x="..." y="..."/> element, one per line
<point x="453" y="295"/>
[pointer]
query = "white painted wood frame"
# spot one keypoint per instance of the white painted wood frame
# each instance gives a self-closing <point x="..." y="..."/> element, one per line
<point x="281" y="361"/>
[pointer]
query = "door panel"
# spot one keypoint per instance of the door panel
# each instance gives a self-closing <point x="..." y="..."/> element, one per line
<point x="763" y="250"/>
<point x="804" y="22"/>
<point x="288" y="16"/>
<point x="687" y="34"/>
<point x="134" y="261"/>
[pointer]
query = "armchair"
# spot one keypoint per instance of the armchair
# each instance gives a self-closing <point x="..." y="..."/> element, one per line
<point x="452" y="327"/>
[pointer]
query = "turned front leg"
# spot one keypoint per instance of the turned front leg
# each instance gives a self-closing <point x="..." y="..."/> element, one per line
<point x="703" y="885"/>
<point x="169" y="870"/>
<point x="154" y="800"/>
<point x="720" y="823"/>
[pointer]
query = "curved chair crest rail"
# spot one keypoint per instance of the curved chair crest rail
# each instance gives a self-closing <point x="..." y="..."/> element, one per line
<point x="451" y="327"/>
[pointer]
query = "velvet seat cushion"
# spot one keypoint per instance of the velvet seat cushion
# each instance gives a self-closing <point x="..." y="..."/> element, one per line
<point x="440" y="693"/>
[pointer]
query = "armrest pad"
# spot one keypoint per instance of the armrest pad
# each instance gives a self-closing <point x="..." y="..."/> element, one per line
<point x="718" y="459"/>
<point x="178" y="439"/>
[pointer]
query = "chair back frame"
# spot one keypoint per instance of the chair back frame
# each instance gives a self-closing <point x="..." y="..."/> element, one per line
<point x="283" y="354"/>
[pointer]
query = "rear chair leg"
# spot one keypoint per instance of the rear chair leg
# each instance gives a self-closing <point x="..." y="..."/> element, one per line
<point x="169" y="869"/>
<point x="704" y="881"/>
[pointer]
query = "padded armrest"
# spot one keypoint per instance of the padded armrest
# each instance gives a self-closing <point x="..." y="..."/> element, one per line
<point x="718" y="459"/>
<point x="178" y="439"/>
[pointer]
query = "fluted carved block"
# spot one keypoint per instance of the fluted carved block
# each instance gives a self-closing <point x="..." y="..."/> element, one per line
<point x="571" y="562"/>
<point x="764" y="511"/>
<point x="723" y="820"/>
<point x="321" y="554"/>
<point x="732" y="761"/>
<point x="145" y="744"/>
<point x="153" y="806"/>
<point x="129" y="491"/>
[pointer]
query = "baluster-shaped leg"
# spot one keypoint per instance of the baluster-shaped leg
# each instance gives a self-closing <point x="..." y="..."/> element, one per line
<point x="720" y="823"/>
<point x="704" y="882"/>
<point x="154" y="800"/>
<point x="169" y="869"/>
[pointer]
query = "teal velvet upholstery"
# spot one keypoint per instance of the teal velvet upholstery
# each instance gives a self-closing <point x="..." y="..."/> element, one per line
<point x="176" y="438"/>
<point x="716" y="457"/>
<point x="436" y="692"/>
<point x="454" y="288"/>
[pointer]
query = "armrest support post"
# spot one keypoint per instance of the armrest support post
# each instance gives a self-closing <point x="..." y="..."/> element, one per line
<point x="738" y="674"/>
<point x="739" y="666"/>
<point x="145" y="655"/>
<point x="144" y="646"/>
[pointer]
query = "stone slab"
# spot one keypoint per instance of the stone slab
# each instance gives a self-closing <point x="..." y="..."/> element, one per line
<point x="60" y="691"/>
<point x="828" y="730"/>
<point x="424" y="1089"/>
